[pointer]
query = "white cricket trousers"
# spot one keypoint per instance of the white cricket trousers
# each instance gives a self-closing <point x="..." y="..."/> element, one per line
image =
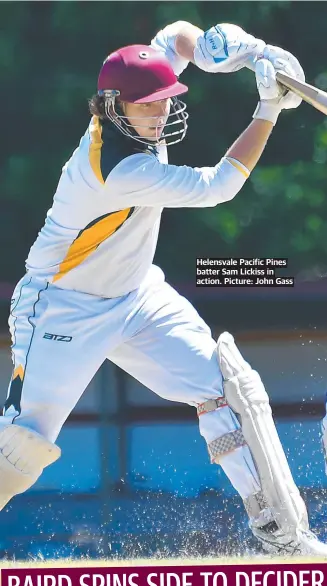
<point x="60" y="338"/>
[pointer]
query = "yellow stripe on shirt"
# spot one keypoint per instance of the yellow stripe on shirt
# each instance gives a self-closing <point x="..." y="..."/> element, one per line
<point x="95" y="147"/>
<point x="239" y="166"/>
<point x="18" y="372"/>
<point x="90" y="238"/>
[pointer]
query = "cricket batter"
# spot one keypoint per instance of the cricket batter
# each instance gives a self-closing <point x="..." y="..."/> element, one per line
<point x="91" y="291"/>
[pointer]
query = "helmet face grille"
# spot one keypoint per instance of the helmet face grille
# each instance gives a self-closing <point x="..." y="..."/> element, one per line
<point x="175" y="127"/>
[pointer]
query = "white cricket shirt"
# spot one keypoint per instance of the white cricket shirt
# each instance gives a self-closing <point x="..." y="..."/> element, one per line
<point x="101" y="233"/>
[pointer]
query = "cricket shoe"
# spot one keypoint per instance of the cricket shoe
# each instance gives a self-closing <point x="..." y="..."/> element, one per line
<point x="277" y="542"/>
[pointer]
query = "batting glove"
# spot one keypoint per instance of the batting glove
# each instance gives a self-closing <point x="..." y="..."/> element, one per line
<point x="285" y="62"/>
<point x="273" y="97"/>
<point x="225" y="48"/>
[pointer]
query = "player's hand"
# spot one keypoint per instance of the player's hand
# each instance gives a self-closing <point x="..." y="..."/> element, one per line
<point x="273" y="97"/>
<point x="269" y="88"/>
<point x="286" y="63"/>
<point x="225" y="48"/>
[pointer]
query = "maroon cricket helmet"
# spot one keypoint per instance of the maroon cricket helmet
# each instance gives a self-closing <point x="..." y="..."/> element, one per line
<point x="140" y="74"/>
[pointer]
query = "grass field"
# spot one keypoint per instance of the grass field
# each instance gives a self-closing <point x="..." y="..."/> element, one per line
<point x="82" y="563"/>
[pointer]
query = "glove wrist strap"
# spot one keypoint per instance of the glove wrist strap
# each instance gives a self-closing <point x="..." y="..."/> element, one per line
<point x="267" y="110"/>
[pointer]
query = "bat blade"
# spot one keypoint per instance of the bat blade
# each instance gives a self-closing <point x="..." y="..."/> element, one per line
<point x="310" y="94"/>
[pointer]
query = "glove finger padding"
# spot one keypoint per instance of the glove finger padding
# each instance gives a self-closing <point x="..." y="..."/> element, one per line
<point x="267" y="85"/>
<point x="279" y="56"/>
<point x="286" y="63"/>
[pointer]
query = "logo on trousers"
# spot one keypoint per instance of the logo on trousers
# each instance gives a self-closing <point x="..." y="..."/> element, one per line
<point x="57" y="338"/>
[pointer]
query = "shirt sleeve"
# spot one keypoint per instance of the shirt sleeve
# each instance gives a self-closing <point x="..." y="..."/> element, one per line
<point x="141" y="180"/>
<point x="164" y="41"/>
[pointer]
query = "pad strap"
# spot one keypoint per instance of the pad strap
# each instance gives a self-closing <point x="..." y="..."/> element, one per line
<point x="211" y="405"/>
<point x="225" y="444"/>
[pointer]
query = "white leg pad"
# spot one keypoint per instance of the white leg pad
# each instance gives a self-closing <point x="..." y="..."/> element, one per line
<point x="23" y="456"/>
<point x="247" y="397"/>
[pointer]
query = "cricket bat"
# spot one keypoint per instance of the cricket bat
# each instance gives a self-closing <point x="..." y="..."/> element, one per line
<point x="310" y="94"/>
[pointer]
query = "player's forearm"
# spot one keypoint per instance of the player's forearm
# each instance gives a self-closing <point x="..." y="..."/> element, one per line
<point x="186" y="39"/>
<point x="177" y="41"/>
<point x="248" y="148"/>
